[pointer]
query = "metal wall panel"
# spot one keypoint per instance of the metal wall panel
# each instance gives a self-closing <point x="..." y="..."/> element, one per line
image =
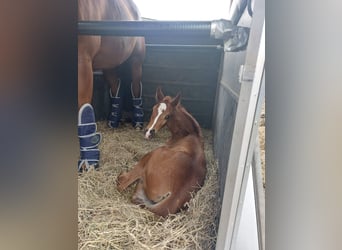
<point x="191" y="69"/>
<point x="225" y="110"/>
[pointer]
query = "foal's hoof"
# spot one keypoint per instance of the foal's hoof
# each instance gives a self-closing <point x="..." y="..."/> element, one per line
<point x="121" y="182"/>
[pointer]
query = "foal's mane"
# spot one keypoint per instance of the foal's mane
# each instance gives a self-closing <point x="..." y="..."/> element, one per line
<point x="194" y="123"/>
<point x="196" y="129"/>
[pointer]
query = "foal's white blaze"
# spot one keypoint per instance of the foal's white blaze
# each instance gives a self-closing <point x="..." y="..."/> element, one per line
<point x="161" y="109"/>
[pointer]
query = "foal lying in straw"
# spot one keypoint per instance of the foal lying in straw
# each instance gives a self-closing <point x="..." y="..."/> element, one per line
<point x="168" y="175"/>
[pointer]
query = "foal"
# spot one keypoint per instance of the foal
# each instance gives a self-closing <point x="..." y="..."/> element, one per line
<point x="168" y="175"/>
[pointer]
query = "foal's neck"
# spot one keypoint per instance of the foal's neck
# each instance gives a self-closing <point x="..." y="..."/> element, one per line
<point x="183" y="124"/>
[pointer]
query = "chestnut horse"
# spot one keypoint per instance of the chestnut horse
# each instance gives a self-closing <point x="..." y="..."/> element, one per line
<point x="106" y="53"/>
<point x="168" y="175"/>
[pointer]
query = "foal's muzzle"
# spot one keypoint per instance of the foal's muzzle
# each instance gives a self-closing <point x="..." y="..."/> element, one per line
<point x="149" y="133"/>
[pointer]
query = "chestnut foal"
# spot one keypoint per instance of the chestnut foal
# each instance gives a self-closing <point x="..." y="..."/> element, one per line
<point x="168" y="175"/>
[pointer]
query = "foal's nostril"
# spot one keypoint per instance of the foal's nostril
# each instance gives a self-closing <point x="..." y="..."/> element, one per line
<point x="152" y="132"/>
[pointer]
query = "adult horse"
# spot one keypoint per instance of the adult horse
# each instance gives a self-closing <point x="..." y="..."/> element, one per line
<point x="106" y="53"/>
<point x="168" y="175"/>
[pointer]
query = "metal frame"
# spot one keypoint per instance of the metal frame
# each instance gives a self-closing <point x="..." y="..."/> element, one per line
<point x="259" y="194"/>
<point x="235" y="37"/>
<point x="244" y="136"/>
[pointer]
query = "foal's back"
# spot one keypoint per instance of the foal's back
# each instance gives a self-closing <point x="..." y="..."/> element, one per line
<point x="176" y="169"/>
<point x="179" y="161"/>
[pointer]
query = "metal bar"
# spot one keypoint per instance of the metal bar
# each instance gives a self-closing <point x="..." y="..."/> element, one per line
<point x="192" y="46"/>
<point x="144" y="28"/>
<point x="259" y="195"/>
<point x="236" y="10"/>
<point x="230" y="90"/>
<point x="218" y="29"/>
<point x="257" y="175"/>
<point x="252" y="119"/>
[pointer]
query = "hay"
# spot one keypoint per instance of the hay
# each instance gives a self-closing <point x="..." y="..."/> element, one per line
<point x="108" y="220"/>
<point x="261" y="132"/>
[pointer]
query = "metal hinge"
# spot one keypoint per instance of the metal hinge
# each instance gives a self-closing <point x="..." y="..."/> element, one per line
<point x="246" y="73"/>
<point x="235" y="37"/>
<point x="238" y="39"/>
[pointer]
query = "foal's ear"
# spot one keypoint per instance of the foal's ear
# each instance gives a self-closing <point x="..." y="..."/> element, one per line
<point x="159" y="95"/>
<point x="176" y="100"/>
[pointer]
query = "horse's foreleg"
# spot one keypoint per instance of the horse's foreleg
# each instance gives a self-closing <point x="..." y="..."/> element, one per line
<point x="85" y="80"/>
<point x="88" y="137"/>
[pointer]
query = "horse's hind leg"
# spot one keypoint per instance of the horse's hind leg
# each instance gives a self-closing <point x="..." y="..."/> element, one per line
<point x="136" y="61"/>
<point x="85" y="80"/>
<point x="112" y="78"/>
<point x="140" y="198"/>
<point x="169" y="205"/>
<point x="174" y="202"/>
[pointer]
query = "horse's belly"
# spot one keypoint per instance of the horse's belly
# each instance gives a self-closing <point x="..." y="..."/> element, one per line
<point x="113" y="52"/>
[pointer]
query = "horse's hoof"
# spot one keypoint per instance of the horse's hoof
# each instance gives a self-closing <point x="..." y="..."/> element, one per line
<point x="113" y="124"/>
<point x="138" y="125"/>
<point x="89" y="139"/>
<point x="86" y="167"/>
<point x="139" y="128"/>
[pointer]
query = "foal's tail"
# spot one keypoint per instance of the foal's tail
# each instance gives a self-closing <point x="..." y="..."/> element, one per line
<point x="164" y="206"/>
<point x="170" y="204"/>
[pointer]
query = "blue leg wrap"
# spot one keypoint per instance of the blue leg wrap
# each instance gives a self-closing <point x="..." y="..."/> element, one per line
<point x="138" y="112"/>
<point x="116" y="109"/>
<point x="89" y="139"/>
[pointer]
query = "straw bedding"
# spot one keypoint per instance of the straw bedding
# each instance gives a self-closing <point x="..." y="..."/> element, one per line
<point x="108" y="220"/>
<point x="261" y="131"/>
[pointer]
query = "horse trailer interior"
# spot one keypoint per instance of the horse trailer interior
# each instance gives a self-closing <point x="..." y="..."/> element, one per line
<point x="218" y="66"/>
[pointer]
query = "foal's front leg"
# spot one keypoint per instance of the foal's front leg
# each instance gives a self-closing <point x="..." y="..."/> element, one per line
<point x="128" y="178"/>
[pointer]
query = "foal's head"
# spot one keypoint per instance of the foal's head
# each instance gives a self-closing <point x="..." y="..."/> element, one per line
<point x="161" y="112"/>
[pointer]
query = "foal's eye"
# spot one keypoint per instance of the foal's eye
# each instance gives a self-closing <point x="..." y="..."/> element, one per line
<point x="167" y="117"/>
